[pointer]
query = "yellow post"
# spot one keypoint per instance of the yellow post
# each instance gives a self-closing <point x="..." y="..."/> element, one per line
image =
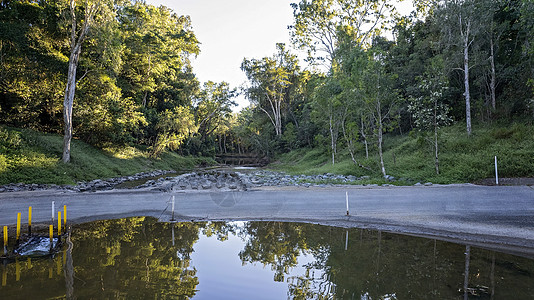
<point x="30" y="220"/>
<point x="65" y="216"/>
<point x="18" y="227"/>
<point x="51" y="237"/>
<point x="5" y="239"/>
<point x="59" y="223"/>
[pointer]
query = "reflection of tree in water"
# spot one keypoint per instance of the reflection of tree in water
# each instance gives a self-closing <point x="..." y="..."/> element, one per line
<point x="376" y="265"/>
<point x="138" y="259"/>
<point x="273" y="243"/>
<point x="219" y="229"/>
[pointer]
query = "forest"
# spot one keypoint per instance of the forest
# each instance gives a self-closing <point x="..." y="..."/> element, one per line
<point x="118" y="73"/>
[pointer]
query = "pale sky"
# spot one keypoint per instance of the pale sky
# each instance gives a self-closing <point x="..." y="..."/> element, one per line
<point x="230" y="30"/>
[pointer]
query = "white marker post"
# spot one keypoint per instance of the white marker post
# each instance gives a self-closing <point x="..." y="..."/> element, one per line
<point x="496" y="173"/>
<point x="347" y="201"/>
<point x="53" y="211"/>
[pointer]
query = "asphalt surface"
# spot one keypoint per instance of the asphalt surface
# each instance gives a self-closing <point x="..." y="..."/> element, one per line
<point x="494" y="217"/>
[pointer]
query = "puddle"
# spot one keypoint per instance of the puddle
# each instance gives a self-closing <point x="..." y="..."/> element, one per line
<point x="141" y="258"/>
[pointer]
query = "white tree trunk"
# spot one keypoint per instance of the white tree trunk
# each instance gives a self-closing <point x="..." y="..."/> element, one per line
<point x="76" y="41"/>
<point x="333" y="141"/>
<point x="380" y="138"/>
<point x="362" y="130"/>
<point x="68" y="103"/>
<point x="466" y="84"/>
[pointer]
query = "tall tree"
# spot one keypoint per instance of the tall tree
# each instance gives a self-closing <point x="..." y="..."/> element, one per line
<point x="461" y="25"/>
<point x="270" y="79"/>
<point x="319" y="22"/>
<point x="78" y="34"/>
<point x="380" y="98"/>
<point x="428" y="109"/>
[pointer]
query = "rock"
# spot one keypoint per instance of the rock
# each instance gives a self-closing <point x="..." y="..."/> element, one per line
<point x="428" y="183"/>
<point x="389" y="178"/>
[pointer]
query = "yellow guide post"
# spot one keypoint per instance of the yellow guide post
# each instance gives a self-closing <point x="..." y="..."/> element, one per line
<point x="65" y="216"/>
<point x="51" y="236"/>
<point x="59" y="223"/>
<point x="30" y="220"/>
<point x="5" y="236"/>
<point x="5" y="239"/>
<point x="18" y="227"/>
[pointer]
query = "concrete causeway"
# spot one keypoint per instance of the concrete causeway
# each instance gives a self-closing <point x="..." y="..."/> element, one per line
<point x="495" y="217"/>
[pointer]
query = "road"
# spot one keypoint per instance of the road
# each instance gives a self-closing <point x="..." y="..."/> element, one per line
<point x="496" y="217"/>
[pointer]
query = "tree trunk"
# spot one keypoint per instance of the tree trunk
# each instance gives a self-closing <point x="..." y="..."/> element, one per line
<point x="466" y="81"/>
<point x="68" y="103"/>
<point x="333" y="141"/>
<point x="75" y="51"/>
<point x="364" y="140"/>
<point x="380" y="138"/>
<point x="350" y="144"/>
<point x="436" y="160"/>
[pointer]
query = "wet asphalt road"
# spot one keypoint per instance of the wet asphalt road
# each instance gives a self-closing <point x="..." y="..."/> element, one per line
<point x="492" y="216"/>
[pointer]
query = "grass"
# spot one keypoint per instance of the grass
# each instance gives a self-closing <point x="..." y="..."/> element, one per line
<point x="32" y="157"/>
<point x="410" y="157"/>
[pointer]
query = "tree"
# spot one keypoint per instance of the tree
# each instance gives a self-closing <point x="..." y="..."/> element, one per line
<point x="461" y="25"/>
<point x="78" y="34"/>
<point x="270" y="79"/>
<point x="174" y="127"/>
<point x="429" y="110"/>
<point x="214" y="104"/>
<point x="330" y="110"/>
<point x="380" y="99"/>
<point x="318" y="24"/>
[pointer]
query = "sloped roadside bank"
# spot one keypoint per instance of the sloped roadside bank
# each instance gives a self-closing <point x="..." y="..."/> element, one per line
<point x="491" y="217"/>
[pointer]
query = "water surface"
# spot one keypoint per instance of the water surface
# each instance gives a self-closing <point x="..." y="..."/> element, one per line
<point x="141" y="258"/>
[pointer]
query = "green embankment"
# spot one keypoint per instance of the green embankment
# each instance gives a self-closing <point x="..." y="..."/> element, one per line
<point x="32" y="157"/>
<point x="410" y="157"/>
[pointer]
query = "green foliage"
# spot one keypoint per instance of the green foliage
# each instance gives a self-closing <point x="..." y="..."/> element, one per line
<point x="32" y="157"/>
<point x="462" y="158"/>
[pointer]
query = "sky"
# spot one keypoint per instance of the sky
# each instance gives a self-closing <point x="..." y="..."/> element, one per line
<point x="230" y="30"/>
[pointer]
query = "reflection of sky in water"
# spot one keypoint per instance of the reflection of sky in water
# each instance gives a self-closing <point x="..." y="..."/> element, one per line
<point x="223" y="276"/>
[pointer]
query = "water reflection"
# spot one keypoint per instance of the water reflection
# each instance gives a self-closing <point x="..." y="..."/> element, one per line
<point x="139" y="258"/>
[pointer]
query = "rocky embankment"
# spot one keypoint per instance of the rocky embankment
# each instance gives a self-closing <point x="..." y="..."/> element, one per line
<point x="231" y="180"/>
<point x="82" y="186"/>
<point x="203" y="180"/>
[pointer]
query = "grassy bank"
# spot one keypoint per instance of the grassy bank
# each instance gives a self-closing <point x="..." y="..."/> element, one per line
<point x="33" y="157"/>
<point x="462" y="158"/>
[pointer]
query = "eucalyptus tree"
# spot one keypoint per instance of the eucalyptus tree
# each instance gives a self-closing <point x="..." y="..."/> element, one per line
<point x="93" y="12"/>
<point x="270" y="79"/>
<point x="380" y="98"/>
<point x="461" y="25"/>
<point x="317" y="24"/>
<point x="429" y="110"/>
<point x="330" y="110"/>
